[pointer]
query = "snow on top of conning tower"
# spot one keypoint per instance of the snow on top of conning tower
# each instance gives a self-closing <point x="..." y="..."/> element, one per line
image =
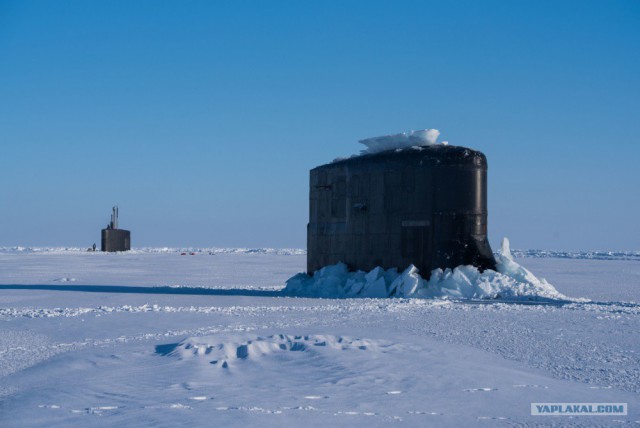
<point x="423" y="137"/>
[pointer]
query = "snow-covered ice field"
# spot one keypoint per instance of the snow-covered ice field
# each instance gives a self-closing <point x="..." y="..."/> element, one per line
<point x="155" y="338"/>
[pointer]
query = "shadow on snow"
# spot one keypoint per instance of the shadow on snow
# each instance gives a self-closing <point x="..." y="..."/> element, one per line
<point x="146" y="290"/>
<point x="201" y="291"/>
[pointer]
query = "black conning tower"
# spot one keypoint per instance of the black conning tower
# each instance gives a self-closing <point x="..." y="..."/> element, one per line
<point x="424" y="206"/>
<point x="114" y="239"/>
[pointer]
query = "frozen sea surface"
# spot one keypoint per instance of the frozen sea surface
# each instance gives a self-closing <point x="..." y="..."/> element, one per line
<point x="154" y="338"/>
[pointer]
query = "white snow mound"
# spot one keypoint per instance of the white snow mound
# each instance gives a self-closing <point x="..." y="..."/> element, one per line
<point x="226" y="353"/>
<point x="510" y="282"/>
<point x="423" y="137"/>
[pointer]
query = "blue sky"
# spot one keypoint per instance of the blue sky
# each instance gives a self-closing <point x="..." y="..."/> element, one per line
<point x="202" y="119"/>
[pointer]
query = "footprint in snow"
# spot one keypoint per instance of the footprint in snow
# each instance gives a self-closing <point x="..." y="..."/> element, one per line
<point x="352" y="413"/>
<point x="95" y="410"/>
<point x="306" y="408"/>
<point x="530" y="386"/>
<point x="480" y="389"/>
<point x="200" y="398"/>
<point x="252" y="409"/>
<point x="179" y="406"/>
<point x="48" y="406"/>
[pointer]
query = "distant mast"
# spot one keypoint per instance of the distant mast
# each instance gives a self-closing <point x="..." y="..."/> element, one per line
<point x="114" y="218"/>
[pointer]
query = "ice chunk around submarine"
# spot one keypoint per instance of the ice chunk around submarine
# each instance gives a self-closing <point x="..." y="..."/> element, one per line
<point x="406" y="200"/>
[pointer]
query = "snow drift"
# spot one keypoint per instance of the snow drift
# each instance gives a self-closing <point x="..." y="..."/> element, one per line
<point x="225" y="353"/>
<point x="423" y="137"/>
<point x="510" y="282"/>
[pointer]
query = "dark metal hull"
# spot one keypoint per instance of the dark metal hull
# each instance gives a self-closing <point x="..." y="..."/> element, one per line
<point x="115" y="240"/>
<point x="426" y="207"/>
